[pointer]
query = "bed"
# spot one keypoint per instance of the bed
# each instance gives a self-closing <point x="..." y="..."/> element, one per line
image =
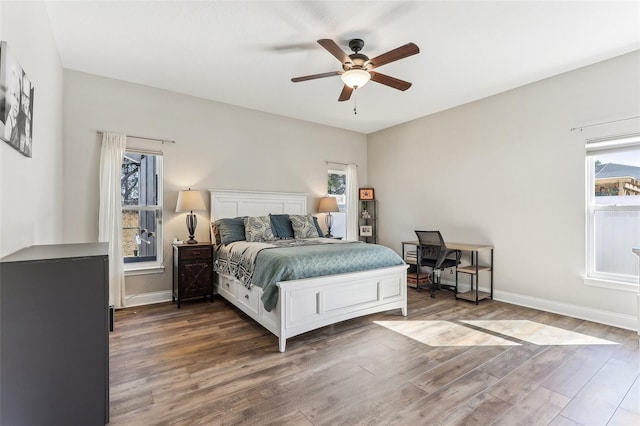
<point x="309" y="303"/>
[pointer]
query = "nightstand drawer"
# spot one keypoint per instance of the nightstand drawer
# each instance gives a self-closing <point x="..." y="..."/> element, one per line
<point x="200" y="252"/>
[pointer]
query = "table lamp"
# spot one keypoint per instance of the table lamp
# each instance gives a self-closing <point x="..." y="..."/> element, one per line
<point x="190" y="201"/>
<point x="328" y="205"/>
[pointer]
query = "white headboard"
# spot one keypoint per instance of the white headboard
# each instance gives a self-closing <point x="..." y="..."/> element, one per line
<point x="226" y="203"/>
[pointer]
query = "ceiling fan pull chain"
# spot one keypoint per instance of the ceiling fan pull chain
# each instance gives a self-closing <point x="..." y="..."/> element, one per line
<point x="355" y="101"/>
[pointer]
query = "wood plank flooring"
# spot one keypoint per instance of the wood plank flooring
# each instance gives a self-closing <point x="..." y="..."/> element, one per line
<point x="209" y="364"/>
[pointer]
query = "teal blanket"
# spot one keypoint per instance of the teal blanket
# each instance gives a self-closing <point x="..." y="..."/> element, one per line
<point x="292" y="263"/>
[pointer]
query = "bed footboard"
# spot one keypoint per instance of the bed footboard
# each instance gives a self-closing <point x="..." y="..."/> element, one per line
<point x="307" y="304"/>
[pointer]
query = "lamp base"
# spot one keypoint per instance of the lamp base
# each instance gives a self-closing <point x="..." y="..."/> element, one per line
<point x="192" y="222"/>
<point x="328" y="220"/>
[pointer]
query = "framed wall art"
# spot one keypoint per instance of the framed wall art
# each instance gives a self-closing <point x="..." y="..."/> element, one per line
<point x="16" y="103"/>
<point x="366" y="231"/>
<point x="366" y="194"/>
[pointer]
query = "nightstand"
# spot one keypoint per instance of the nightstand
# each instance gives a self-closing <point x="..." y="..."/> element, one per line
<point x="192" y="271"/>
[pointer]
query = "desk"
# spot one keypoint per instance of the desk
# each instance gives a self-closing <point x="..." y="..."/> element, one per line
<point x="473" y="270"/>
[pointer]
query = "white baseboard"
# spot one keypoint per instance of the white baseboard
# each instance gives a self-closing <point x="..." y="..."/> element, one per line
<point x="614" y="319"/>
<point x="148" y="298"/>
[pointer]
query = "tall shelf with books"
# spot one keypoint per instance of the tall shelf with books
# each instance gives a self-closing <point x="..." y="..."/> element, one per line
<point x="367" y="221"/>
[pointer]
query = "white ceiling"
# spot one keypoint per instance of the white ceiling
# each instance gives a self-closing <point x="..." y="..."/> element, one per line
<point x="245" y="53"/>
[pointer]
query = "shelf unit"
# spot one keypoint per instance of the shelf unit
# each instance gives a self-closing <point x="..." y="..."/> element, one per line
<point x="474" y="270"/>
<point x="367" y="217"/>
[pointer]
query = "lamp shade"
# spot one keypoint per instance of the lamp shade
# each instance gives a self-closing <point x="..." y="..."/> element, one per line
<point x="190" y="201"/>
<point x="328" y="205"/>
<point x="355" y="78"/>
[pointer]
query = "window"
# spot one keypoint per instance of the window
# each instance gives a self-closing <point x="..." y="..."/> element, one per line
<point x="337" y="187"/>
<point x="613" y="208"/>
<point x="141" y="191"/>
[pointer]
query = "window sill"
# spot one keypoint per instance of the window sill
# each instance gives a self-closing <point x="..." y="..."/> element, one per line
<point x="610" y="284"/>
<point x="144" y="270"/>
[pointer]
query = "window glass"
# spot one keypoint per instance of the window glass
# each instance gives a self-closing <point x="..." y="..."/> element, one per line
<point x="613" y="213"/>
<point x="337" y="187"/>
<point x="140" y="184"/>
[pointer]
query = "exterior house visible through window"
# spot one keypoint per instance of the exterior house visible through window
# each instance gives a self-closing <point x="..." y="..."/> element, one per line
<point x="613" y="208"/>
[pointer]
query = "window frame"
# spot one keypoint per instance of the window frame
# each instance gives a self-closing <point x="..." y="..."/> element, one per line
<point x="154" y="266"/>
<point x="593" y="147"/>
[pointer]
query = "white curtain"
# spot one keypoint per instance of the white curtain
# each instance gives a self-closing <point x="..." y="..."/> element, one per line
<point x="110" y="222"/>
<point x="353" y="212"/>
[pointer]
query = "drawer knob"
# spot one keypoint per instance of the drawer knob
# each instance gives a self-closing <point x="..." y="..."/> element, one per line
<point x="227" y="284"/>
<point x="246" y="296"/>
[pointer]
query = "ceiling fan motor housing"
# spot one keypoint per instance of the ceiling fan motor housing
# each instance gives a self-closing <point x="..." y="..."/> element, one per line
<point x="358" y="60"/>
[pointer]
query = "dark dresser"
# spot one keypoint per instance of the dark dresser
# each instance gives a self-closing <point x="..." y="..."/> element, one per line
<point x="54" y="342"/>
<point x="192" y="271"/>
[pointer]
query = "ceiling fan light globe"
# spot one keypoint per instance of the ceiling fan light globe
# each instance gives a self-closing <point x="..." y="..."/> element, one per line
<point x="355" y="78"/>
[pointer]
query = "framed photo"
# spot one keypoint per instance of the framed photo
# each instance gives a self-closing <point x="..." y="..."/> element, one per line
<point x="366" y="194"/>
<point x="16" y="103"/>
<point x="366" y="231"/>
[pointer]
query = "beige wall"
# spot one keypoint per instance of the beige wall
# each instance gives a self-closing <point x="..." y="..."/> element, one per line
<point x="217" y="146"/>
<point x="31" y="188"/>
<point x="504" y="170"/>
<point x="507" y="170"/>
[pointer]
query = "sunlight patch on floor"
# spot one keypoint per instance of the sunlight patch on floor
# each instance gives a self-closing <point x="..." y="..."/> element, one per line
<point x="536" y="333"/>
<point x="444" y="333"/>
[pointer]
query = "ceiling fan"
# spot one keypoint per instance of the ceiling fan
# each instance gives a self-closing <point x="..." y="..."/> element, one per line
<point x="357" y="69"/>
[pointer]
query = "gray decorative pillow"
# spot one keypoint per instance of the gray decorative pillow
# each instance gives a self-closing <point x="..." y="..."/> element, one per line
<point x="303" y="226"/>
<point x="230" y="229"/>
<point x="281" y="226"/>
<point x="258" y="229"/>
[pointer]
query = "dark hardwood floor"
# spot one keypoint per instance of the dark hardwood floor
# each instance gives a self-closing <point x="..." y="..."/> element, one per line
<point x="208" y="363"/>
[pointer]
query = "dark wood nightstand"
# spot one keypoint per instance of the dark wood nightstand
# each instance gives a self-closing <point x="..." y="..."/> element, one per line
<point x="192" y="271"/>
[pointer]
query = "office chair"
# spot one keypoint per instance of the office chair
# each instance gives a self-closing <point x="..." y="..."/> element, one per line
<point x="433" y="253"/>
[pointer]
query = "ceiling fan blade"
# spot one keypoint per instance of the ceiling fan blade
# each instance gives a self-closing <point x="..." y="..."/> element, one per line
<point x="389" y="81"/>
<point x="394" y="55"/>
<point x="334" y="49"/>
<point x="314" y="76"/>
<point x="345" y="94"/>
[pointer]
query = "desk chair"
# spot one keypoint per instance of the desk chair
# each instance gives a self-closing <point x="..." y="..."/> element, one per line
<point x="433" y="253"/>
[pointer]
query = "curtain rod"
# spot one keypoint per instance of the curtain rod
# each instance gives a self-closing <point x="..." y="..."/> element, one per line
<point x="605" y="122"/>
<point x="100" y="132"/>
<point x="335" y="162"/>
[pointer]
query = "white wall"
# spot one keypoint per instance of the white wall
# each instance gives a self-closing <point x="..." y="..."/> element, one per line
<point x="31" y="188"/>
<point x="507" y="170"/>
<point x="217" y="146"/>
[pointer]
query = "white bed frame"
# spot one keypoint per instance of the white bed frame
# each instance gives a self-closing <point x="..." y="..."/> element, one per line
<point x="306" y="304"/>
